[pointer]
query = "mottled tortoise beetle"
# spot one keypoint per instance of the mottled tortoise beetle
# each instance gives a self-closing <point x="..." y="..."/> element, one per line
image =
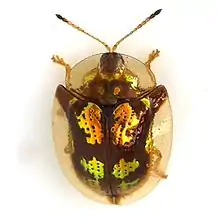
<point x="112" y="124"/>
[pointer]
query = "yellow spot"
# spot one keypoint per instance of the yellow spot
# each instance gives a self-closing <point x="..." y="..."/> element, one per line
<point x="94" y="167"/>
<point x="110" y="77"/>
<point x="116" y="91"/>
<point x="131" y="79"/>
<point x="146" y="102"/>
<point x="150" y="141"/>
<point x="89" y="121"/>
<point x="126" y="122"/>
<point x="123" y="169"/>
<point x="72" y="101"/>
<point x="90" y="76"/>
<point x="126" y="185"/>
<point x="149" y="144"/>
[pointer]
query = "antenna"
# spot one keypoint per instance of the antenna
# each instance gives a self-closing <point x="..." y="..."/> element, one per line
<point x="81" y="30"/>
<point x="137" y="28"/>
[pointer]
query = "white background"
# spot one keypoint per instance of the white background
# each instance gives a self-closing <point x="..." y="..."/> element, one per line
<point x="32" y="185"/>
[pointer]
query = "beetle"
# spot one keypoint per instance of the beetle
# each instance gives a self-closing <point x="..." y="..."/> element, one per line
<point x="112" y="124"/>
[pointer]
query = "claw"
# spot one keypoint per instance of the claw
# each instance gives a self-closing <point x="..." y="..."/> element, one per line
<point x="55" y="58"/>
<point x="160" y="174"/>
<point x="154" y="54"/>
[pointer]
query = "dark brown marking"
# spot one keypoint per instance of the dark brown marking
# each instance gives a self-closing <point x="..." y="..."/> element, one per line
<point x="155" y="13"/>
<point x="156" y="95"/>
<point x="61" y="18"/>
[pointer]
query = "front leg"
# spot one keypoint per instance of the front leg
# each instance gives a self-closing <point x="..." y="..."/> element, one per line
<point x="59" y="60"/>
<point x="154" y="54"/>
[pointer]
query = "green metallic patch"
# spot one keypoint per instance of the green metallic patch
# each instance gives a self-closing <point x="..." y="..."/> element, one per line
<point x="127" y="185"/>
<point x="72" y="101"/>
<point x="146" y="102"/>
<point x="121" y="170"/>
<point x="150" y="141"/>
<point x="94" y="167"/>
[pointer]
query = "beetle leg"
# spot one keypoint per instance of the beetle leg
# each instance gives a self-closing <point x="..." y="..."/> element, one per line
<point x="69" y="148"/>
<point x="160" y="174"/>
<point x="156" y="157"/>
<point x="59" y="60"/>
<point x="154" y="54"/>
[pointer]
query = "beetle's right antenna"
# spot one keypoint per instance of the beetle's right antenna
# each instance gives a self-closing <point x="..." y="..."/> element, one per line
<point x="137" y="28"/>
<point x="81" y="30"/>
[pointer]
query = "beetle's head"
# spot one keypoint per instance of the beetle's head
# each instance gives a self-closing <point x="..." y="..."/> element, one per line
<point x="111" y="65"/>
<point x="113" y="80"/>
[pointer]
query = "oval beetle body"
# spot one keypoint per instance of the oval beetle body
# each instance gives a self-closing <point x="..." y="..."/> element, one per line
<point x="112" y="125"/>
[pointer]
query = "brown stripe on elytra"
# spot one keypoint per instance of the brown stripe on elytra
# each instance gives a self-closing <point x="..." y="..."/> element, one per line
<point x="85" y="150"/>
<point x="137" y="150"/>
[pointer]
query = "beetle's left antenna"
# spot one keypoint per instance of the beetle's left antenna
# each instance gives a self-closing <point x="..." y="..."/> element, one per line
<point x="81" y="30"/>
<point x="137" y="28"/>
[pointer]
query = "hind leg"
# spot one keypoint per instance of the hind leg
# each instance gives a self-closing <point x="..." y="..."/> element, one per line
<point x="155" y="158"/>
